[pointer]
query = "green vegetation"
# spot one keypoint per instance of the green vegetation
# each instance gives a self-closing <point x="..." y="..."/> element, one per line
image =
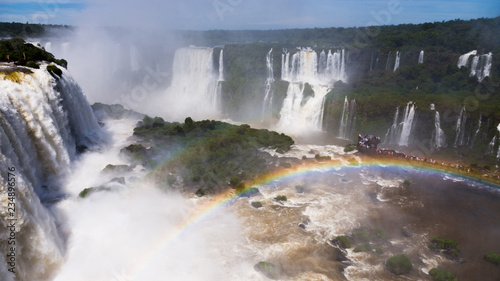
<point x="248" y="192"/>
<point x="28" y="30"/>
<point x="200" y="192"/>
<point x="280" y="198"/>
<point x="268" y="269"/>
<point x="18" y="51"/>
<point x="86" y="192"/>
<point x="455" y="36"/>
<point x="379" y="251"/>
<point x="350" y="147"/>
<point x="256" y="204"/>
<point x="343" y="241"/>
<point x="54" y="71"/>
<point x="441" y="275"/>
<point x="399" y="264"/>
<point x="206" y="153"/>
<point x="492" y="257"/>
<point x="442" y="244"/>
<point x="406" y="182"/>
<point x="446" y="246"/>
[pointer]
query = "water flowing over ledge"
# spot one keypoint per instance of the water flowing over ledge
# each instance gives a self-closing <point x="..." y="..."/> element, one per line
<point x="44" y="120"/>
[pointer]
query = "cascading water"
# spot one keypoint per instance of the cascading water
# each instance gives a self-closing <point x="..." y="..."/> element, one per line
<point x="463" y="60"/>
<point x="391" y="136"/>
<point x="195" y="85"/>
<point x="399" y="133"/>
<point x="387" y="61"/>
<point x="305" y="71"/>
<point x="268" y="96"/>
<point x="421" y="57"/>
<point x="221" y="66"/>
<point x="218" y="95"/>
<point x="460" y="128"/>
<point x="480" y="66"/>
<point x="396" y="63"/>
<point x="438" y="136"/>
<point x="498" y="152"/>
<point x="476" y="133"/>
<point x="491" y="146"/>
<point x="407" y="124"/>
<point x="42" y="121"/>
<point x="348" y="120"/>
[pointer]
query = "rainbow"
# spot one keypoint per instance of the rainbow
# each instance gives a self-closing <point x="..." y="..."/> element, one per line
<point x="219" y="201"/>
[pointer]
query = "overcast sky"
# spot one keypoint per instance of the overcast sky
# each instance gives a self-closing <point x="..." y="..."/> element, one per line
<point x="243" y="14"/>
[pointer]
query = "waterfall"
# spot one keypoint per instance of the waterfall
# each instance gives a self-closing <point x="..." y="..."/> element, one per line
<point x="305" y="70"/>
<point x="218" y="92"/>
<point x="396" y="63"/>
<point x="477" y="131"/>
<point x="460" y="128"/>
<point x="483" y="67"/>
<point x="347" y="122"/>
<point x="463" y="60"/>
<point x="480" y="66"/>
<point x="399" y="133"/>
<point x="268" y="96"/>
<point x="438" y="136"/>
<point x="421" y="57"/>
<point x="491" y="146"/>
<point x="407" y="124"/>
<point x="42" y="121"/>
<point x="194" y="90"/>
<point x="221" y="66"/>
<point x="388" y="60"/>
<point x="498" y="149"/>
<point x="391" y="136"/>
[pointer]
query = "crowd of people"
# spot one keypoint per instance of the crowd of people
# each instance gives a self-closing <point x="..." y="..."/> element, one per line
<point x="368" y="142"/>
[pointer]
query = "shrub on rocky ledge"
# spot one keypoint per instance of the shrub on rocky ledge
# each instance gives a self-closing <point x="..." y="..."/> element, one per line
<point x="280" y="198"/>
<point x="441" y="275"/>
<point x="343" y="242"/>
<point x="256" y="204"/>
<point x="399" y="264"/>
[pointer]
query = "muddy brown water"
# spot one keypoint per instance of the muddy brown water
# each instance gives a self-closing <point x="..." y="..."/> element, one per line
<point x="295" y="235"/>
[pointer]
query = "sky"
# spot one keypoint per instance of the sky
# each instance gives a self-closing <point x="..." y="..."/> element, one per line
<point x="243" y="14"/>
